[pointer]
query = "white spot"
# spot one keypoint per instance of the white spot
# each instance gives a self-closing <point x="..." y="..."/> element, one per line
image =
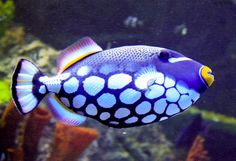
<point x="105" y="116"/>
<point x="65" y="101"/>
<point x="130" y="96"/>
<point x="91" y="110"/>
<point x="122" y="112"/>
<point x="71" y="85"/>
<point x="131" y="120"/>
<point x="119" y="81"/>
<point x="106" y="100"/>
<point x="55" y="88"/>
<point x="182" y="87"/>
<point x="160" y="78"/>
<point x="93" y="85"/>
<point x="184" y="102"/>
<point x="43" y="79"/>
<point x="160" y="106"/>
<point x="143" y="108"/>
<point x="114" y="122"/>
<point x="172" y="95"/>
<point x="108" y="68"/>
<point x="150" y="82"/>
<point x="169" y="82"/>
<point x="194" y="95"/>
<point x="79" y="101"/>
<point x="163" y="118"/>
<point x="84" y="70"/>
<point x="54" y="83"/>
<point x="175" y="60"/>
<point x="172" y="109"/>
<point x="63" y="76"/>
<point x="144" y="75"/>
<point x="54" y="80"/>
<point x="149" y="118"/>
<point x="42" y="89"/>
<point x="154" y="91"/>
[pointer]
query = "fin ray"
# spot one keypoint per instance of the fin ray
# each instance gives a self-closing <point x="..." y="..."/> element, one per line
<point x="61" y="112"/>
<point x="76" y="52"/>
<point x="24" y="86"/>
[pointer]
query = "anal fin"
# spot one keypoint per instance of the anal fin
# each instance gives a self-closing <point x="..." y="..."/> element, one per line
<point x="60" y="112"/>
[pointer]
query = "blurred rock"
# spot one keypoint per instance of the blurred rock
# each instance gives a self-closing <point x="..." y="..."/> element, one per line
<point x="7" y="10"/>
<point x="16" y="44"/>
<point x="133" y="22"/>
<point x="13" y="36"/>
<point x="133" y="144"/>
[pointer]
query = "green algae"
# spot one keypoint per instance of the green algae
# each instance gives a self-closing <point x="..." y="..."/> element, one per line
<point x="222" y="122"/>
<point x="7" y="10"/>
<point x="5" y="91"/>
<point x="218" y="122"/>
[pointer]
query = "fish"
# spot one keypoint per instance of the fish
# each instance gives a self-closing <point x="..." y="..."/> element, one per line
<point x="121" y="87"/>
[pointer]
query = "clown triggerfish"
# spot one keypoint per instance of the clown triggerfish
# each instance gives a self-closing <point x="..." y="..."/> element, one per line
<point x="120" y="87"/>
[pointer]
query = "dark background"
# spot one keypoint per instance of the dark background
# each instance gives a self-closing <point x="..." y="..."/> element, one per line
<point x="210" y="38"/>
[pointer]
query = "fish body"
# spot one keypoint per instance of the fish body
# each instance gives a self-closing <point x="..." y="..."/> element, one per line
<point x="121" y="87"/>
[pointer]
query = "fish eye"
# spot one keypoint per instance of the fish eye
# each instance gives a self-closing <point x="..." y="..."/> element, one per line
<point x="164" y="55"/>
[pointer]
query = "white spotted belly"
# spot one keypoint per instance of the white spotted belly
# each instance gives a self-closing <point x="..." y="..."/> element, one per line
<point x="125" y="99"/>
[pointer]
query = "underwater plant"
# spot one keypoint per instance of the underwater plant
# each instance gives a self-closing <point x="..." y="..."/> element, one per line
<point x="5" y="92"/>
<point x="7" y="10"/>
<point x="19" y="136"/>
<point x="68" y="138"/>
<point x="11" y="154"/>
<point x="13" y="36"/>
<point x="9" y="122"/>
<point x="197" y="151"/>
<point x="223" y="122"/>
<point x="32" y="134"/>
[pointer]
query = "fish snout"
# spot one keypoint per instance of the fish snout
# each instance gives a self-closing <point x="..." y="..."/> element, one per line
<point x="207" y="75"/>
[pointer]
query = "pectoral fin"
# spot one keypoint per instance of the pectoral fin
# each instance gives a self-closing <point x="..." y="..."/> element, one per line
<point x="61" y="113"/>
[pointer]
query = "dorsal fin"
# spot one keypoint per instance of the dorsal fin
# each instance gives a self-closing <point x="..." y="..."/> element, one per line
<point x="75" y="52"/>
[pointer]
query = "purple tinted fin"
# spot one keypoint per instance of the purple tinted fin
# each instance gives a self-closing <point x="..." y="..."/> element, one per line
<point x="75" y="52"/>
<point x="61" y="113"/>
<point x="26" y="87"/>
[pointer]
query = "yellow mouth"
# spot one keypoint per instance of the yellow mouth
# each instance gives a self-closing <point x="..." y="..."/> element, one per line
<point x="207" y="75"/>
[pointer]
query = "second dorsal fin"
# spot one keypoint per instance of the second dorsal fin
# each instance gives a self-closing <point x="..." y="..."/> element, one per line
<point x="75" y="52"/>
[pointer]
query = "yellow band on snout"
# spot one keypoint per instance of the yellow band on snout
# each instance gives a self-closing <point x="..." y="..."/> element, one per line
<point x="206" y="74"/>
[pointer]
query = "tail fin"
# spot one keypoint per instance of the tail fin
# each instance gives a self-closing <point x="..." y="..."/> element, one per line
<point x="26" y="89"/>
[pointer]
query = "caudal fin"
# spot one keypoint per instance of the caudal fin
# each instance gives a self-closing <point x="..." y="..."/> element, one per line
<point x="27" y="91"/>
